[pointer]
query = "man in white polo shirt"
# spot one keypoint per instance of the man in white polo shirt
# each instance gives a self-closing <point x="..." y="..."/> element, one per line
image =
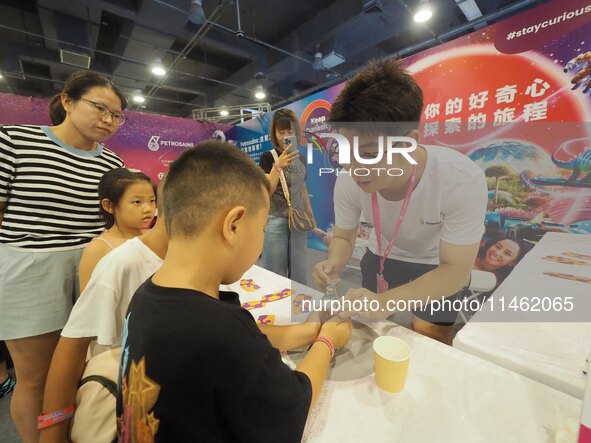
<point x="438" y="204"/>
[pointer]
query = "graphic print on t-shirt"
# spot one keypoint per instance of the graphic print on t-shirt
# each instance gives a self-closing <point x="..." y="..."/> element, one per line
<point x="140" y="393"/>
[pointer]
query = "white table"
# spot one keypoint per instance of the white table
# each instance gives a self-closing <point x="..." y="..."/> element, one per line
<point x="450" y="396"/>
<point x="552" y="353"/>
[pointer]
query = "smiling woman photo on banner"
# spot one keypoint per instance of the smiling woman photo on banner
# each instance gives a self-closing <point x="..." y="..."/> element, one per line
<point x="500" y="255"/>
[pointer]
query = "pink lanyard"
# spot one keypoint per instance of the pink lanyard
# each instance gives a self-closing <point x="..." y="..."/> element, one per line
<point x="378" y="224"/>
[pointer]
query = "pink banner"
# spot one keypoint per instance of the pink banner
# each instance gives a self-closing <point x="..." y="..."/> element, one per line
<point x="148" y="142"/>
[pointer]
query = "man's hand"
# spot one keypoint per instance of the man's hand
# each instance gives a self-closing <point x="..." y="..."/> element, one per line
<point x="364" y="303"/>
<point x="324" y="273"/>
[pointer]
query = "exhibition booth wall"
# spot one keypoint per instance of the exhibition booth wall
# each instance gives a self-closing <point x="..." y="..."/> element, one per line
<point x="513" y="96"/>
<point x="502" y="97"/>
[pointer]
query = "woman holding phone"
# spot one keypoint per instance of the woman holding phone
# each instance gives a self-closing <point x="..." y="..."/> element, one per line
<point x="284" y="250"/>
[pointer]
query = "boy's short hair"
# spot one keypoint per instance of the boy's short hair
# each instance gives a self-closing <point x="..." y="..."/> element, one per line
<point x="160" y="195"/>
<point x="206" y="179"/>
<point x="382" y="92"/>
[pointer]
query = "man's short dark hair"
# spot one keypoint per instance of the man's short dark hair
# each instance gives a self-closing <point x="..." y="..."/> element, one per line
<point x="207" y="179"/>
<point x="382" y="92"/>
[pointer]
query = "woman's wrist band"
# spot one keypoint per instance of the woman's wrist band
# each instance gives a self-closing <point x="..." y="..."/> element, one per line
<point x="327" y="342"/>
<point x="277" y="167"/>
<point x="55" y="417"/>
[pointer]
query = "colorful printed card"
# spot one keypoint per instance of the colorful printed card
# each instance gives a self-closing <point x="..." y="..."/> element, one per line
<point x="566" y="261"/>
<point x="268" y="319"/>
<point x="253" y="304"/>
<point x="277" y="296"/>
<point x="249" y="285"/>
<point x="578" y="278"/>
<point x="297" y="304"/>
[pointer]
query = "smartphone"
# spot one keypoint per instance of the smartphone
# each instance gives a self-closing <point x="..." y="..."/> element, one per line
<point x="292" y="140"/>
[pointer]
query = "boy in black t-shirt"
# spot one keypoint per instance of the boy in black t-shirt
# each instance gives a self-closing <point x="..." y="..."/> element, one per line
<point x="195" y="367"/>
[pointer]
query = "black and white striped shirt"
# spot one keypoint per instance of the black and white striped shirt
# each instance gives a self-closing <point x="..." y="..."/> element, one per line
<point x="50" y="189"/>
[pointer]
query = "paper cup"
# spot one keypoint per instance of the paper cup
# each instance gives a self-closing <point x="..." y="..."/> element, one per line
<point x="391" y="356"/>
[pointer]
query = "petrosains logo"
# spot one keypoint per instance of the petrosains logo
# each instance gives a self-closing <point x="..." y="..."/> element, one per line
<point x="153" y="144"/>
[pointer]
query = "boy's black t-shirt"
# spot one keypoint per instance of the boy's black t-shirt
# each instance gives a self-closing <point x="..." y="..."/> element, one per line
<point x="198" y="369"/>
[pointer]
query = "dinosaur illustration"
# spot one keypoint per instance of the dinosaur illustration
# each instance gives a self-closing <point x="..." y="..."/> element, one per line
<point x="580" y="164"/>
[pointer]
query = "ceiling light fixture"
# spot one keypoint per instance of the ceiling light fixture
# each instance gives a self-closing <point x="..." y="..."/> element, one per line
<point x="224" y="113"/>
<point x="259" y="92"/>
<point x="424" y="12"/>
<point x="138" y="97"/>
<point x="196" y="12"/>
<point x="158" y="69"/>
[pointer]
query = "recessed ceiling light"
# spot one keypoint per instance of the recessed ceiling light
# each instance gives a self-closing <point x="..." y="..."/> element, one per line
<point x="259" y="92"/>
<point x="138" y="97"/>
<point x="158" y="70"/>
<point x="424" y="13"/>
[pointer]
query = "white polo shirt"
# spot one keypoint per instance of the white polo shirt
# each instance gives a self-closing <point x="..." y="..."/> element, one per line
<point x="448" y="204"/>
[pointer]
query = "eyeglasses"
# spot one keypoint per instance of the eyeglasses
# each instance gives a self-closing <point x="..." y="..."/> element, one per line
<point x="105" y="112"/>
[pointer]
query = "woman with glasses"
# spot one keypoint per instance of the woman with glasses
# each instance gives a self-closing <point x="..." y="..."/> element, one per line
<point x="49" y="211"/>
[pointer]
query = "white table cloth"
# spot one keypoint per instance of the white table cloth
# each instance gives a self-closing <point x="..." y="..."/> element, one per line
<point x="552" y="353"/>
<point x="450" y="396"/>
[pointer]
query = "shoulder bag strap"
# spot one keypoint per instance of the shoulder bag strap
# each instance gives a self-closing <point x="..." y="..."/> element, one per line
<point x="282" y="179"/>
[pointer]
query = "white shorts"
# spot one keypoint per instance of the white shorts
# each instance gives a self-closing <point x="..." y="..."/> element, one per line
<point x="37" y="290"/>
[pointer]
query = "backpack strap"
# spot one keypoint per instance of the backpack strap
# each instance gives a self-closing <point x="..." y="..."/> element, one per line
<point x="109" y="385"/>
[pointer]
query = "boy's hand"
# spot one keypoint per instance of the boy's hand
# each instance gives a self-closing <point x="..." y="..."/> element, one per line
<point x="338" y="332"/>
<point x="313" y="323"/>
<point x="324" y="273"/>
